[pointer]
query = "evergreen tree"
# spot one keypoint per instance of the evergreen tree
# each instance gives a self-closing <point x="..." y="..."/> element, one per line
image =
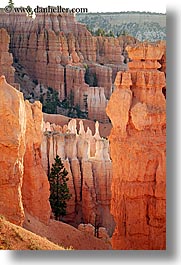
<point x="59" y="191"/>
<point x="110" y="34"/>
<point x="100" y="32"/>
<point x="52" y="102"/>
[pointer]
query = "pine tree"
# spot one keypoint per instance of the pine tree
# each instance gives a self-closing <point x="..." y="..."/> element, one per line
<point x="59" y="191"/>
<point x="51" y="102"/>
<point x="110" y="34"/>
<point x="100" y="32"/>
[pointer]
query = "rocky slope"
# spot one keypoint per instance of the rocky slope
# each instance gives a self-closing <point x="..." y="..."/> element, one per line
<point x="137" y="110"/>
<point x="13" y="237"/>
<point x="38" y="236"/>
<point x="65" y="235"/>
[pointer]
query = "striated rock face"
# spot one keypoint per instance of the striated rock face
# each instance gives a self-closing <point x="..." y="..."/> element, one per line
<point x="137" y="109"/>
<point x="109" y="50"/>
<point x="12" y="146"/>
<point x="23" y="182"/>
<point x="6" y="58"/>
<point x="86" y="158"/>
<point x="35" y="189"/>
<point x="97" y="103"/>
<point x="76" y="85"/>
<point x="104" y="77"/>
<point x="55" y="50"/>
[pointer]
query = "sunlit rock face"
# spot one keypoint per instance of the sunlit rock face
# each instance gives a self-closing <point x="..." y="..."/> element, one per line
<point x="24" y="184"/>
<point x="137" y="109"/>
<point x="35" y="189"/>
<point x="12" y="145"/>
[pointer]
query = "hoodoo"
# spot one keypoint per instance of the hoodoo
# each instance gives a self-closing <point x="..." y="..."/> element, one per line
<point x="137" y="109"/>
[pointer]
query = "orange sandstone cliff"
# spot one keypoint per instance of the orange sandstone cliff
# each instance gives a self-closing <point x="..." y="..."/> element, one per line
<point x="23" y="182"/>
<point x="85" y="157"/>
<point x="12" y="146"/>
<point x="27" y="155"/>
<point x="137" y="109"/>
<point x="35" y="189"/>
<point x="56" y="51"/>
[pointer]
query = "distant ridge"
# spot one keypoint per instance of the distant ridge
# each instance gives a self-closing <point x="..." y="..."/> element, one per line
<point x="125" y="12"/>
<point x="141" y="25"/>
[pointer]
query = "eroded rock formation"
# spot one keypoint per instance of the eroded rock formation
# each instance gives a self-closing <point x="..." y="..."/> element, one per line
<point x="35" y="189"/>
<point x="97" y="103"/>
<point x="23" y="182"/>
<point x="86" y="158"/>
<point x="137" y="109"/>
<point x="12" y="145"/>
<point x="55" y="50"/>
<point x="6" y="58"/>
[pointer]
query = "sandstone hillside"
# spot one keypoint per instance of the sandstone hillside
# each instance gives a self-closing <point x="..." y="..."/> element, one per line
<point x="54" y="236"/>
<point x="13" y="237"/>
<point x="65" y="235"/>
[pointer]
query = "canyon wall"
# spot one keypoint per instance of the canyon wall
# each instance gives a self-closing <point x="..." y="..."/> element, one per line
<point x="86" y="158"/>
<point x="137" y="109"/>
<point x="27" y="156"/>
<point x="12" y="145"/>
<point x="56" y="50"/>
<point x="85" y="179"/>
<point x="24" y="185"/>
